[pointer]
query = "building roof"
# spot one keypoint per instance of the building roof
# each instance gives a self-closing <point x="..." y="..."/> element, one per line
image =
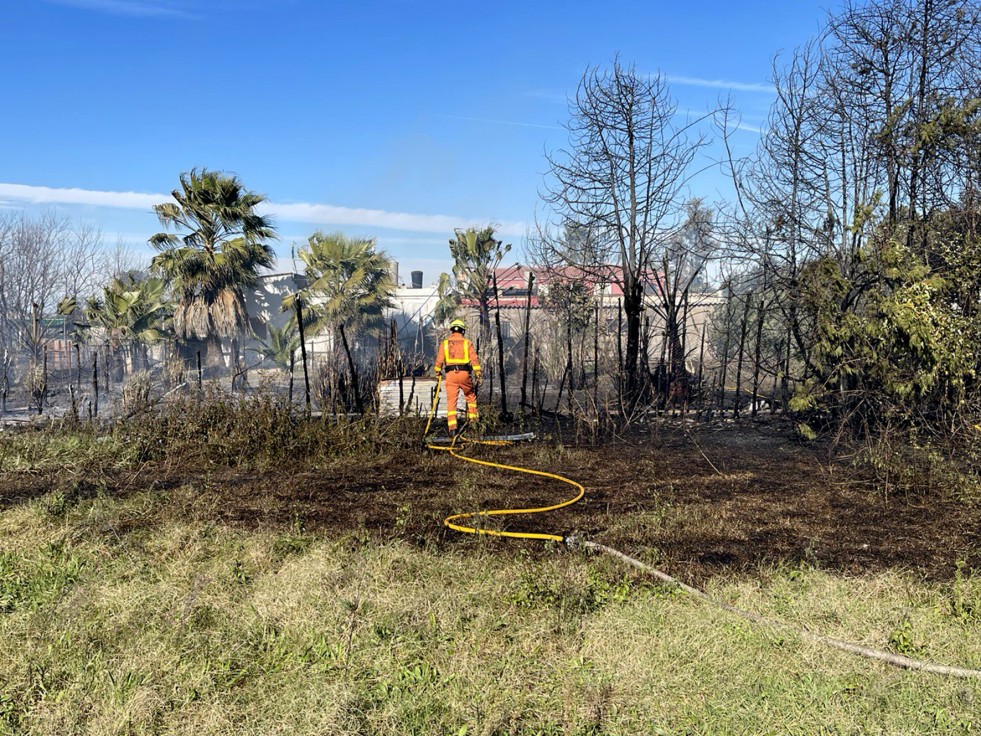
<point x="512" y="282"/>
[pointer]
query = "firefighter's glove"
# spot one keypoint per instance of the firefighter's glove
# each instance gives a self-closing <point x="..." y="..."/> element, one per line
<point x="477" y="376"/>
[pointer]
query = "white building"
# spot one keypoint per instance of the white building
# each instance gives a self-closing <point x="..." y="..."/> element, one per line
<point x="412" y="311"/>
<point x="414" y="304"/>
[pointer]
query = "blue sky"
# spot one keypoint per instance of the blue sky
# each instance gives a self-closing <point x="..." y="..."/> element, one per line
<point x="389" y="118"/>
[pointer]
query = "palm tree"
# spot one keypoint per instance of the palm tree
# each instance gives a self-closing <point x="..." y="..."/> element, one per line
<point x="220" y="252"/>
<point x="132" y="312"/>
<point x="280" y="346"/>
<point x="447" y="303"/>
<point x="350" y="283"/>
<point x="476" y="255"/>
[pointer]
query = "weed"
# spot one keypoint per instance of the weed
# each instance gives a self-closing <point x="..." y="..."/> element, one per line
<point x="136" y="392"/>
<point x="290" y="545"/>
<point x="127" y="683"/>
<point x="29" y="584"/>
<point x="580" y="597"/>
<point x="55" y="504"/>
<point x="240" y="574"/>
<point x="901" y="639"/>
<point x="909" y="462"/>
<point x="293" y="543"/>
<point x="402" y="517"/>
<point x="965" y="595"/>
<point x="322" y="653"/>
<point x="80" y="450"/>
<point x="466" y="650"/>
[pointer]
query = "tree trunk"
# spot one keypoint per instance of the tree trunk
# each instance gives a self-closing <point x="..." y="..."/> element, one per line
<point x="596" y="372"/>
<point x="505" y="414"/>
<point x="633" y="309"/>
<point x="743" y="329"/>
<point x="95" y="381"/>
<point x="303" y="351"/>
<point x="725" y="353"/>
<point x="758" y="354"/>
<point x="354" y="373"/>
<point x="534" y="381"/>
<point x="525" y="356"/>
<point x="701" y="371"/>
<point x="568" y="366"/>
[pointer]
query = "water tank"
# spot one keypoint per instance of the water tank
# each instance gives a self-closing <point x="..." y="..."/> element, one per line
<point x="393" y="271"/>
<point x="417" y="279"/>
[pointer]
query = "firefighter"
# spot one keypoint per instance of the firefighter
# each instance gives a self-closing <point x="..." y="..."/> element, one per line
<point x="457" y="359"/>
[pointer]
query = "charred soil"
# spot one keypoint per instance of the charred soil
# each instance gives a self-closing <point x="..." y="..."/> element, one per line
<point x="697" y="502"/>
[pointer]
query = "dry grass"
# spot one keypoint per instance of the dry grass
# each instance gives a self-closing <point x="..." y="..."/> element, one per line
<point x="119" y="619"/>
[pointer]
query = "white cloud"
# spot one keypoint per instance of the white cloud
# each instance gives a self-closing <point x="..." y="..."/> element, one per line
<point x="386" y="240"/>
<point x="326" y="214"/>
<point x="142" y="8"/>
<point x="503" y="122"/>
<point x="722" y="84"/>
<point x="682" y="81"/>
<point x="188" y="9"/>
<point x="50" y="195"/>
<point x="693" y="115"/>
<point x="318" y="214"/>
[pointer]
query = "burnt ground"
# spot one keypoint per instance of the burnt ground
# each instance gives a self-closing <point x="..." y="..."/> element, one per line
<point x="698" y="503"/>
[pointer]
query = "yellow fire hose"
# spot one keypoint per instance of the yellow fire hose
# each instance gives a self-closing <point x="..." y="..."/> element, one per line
<point x="451" y="521"/>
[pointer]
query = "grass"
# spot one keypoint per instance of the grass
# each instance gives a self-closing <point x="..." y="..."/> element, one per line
<point x="215" y="430"/>
<point x="118" y="617"/>
<point x="124" y="610"/>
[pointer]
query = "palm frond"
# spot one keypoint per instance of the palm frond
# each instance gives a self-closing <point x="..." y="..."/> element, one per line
<point x="350" y="282"/>
<point x="220" y="251"/>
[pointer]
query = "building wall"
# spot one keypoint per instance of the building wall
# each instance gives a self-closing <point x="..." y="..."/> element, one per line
<point x="264" y="303"/>
<point x="548" y="332"/>
<point x="412" y="313"/>
<point x="413" y="310"/>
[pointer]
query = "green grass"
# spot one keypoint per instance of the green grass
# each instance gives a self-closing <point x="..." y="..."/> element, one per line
<point x="63" y="450"/>
<point x="116" y="618"/>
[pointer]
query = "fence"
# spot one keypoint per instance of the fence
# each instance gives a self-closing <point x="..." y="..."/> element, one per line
<point x="544" y="363"/>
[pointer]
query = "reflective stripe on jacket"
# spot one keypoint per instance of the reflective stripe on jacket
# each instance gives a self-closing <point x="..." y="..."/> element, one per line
<point x="450" y="360"/>
<point x="457" y="351"/>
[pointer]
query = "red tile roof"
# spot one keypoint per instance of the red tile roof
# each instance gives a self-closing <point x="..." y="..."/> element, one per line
<point x="514" y="279"/>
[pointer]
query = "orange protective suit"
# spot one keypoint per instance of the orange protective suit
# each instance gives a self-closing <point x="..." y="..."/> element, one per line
<point x="458" y="358"/>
